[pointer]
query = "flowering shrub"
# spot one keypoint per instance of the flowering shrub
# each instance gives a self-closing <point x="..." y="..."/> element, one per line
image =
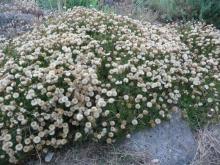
<point x="88" y="75"/>
<point x="203" y="42"/>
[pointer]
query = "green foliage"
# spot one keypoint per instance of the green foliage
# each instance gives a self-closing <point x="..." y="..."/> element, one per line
<point x="168" y="8"/>
<point x="47" y="4"/>
<point x="197" y="115"/>
<point x="55" y="4"/>
<point x="85" y="3"/>
<point x="107" y="9"/>
<point x="208" y="10"/>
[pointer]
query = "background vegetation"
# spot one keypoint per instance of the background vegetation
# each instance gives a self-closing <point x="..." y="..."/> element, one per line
<point x="59" y="4"/>
<point x="170" y="10"/>
<point x="203" y="10"/>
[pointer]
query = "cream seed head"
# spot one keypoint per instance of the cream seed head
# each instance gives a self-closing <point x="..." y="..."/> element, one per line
<point x="15" y="95"/>
<point x="19" y="147"/>
<point x="148" y="74"/>
<point x="79" y="116"/>
<point x="137" y="106"/>
<point x="134" y="122"/>
<point x="7" y="137"/>
<point x="88" y="125"/>
<point x="109" y="140"/>
<point x="210" y="100"/>
<point x="37" y="139"/>
<point x="77" y="136"/>
<point x="126" y="97"/>
<point x="157" y="121"/>
<point x="149" y="104"/>
<point x="128" y="136"/>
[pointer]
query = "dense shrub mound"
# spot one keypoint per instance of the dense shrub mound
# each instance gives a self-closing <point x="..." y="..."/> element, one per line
<point x="88" y="75"/>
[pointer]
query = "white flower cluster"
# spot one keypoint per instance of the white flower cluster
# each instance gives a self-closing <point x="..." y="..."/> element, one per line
<point x="85" y="74"/>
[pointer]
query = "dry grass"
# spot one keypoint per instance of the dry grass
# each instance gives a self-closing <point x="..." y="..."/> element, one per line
<point x="94" y="154"/>
<point x="135" y="11"/>
<point x="22" y="6"/>
<point x="208" y="151"/>
<point x="17" y="17"/>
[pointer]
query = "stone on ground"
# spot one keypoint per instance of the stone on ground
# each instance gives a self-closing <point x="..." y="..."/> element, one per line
<point x="172" y="142"/>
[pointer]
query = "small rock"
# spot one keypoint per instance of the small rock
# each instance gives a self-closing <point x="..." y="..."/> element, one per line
<point x="170" y="142"/>
<point x="155" y="161"/>
<point x="49" y="157"/>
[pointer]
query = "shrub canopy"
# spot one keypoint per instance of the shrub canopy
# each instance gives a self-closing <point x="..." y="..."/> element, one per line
<point x="88" y="75"/>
